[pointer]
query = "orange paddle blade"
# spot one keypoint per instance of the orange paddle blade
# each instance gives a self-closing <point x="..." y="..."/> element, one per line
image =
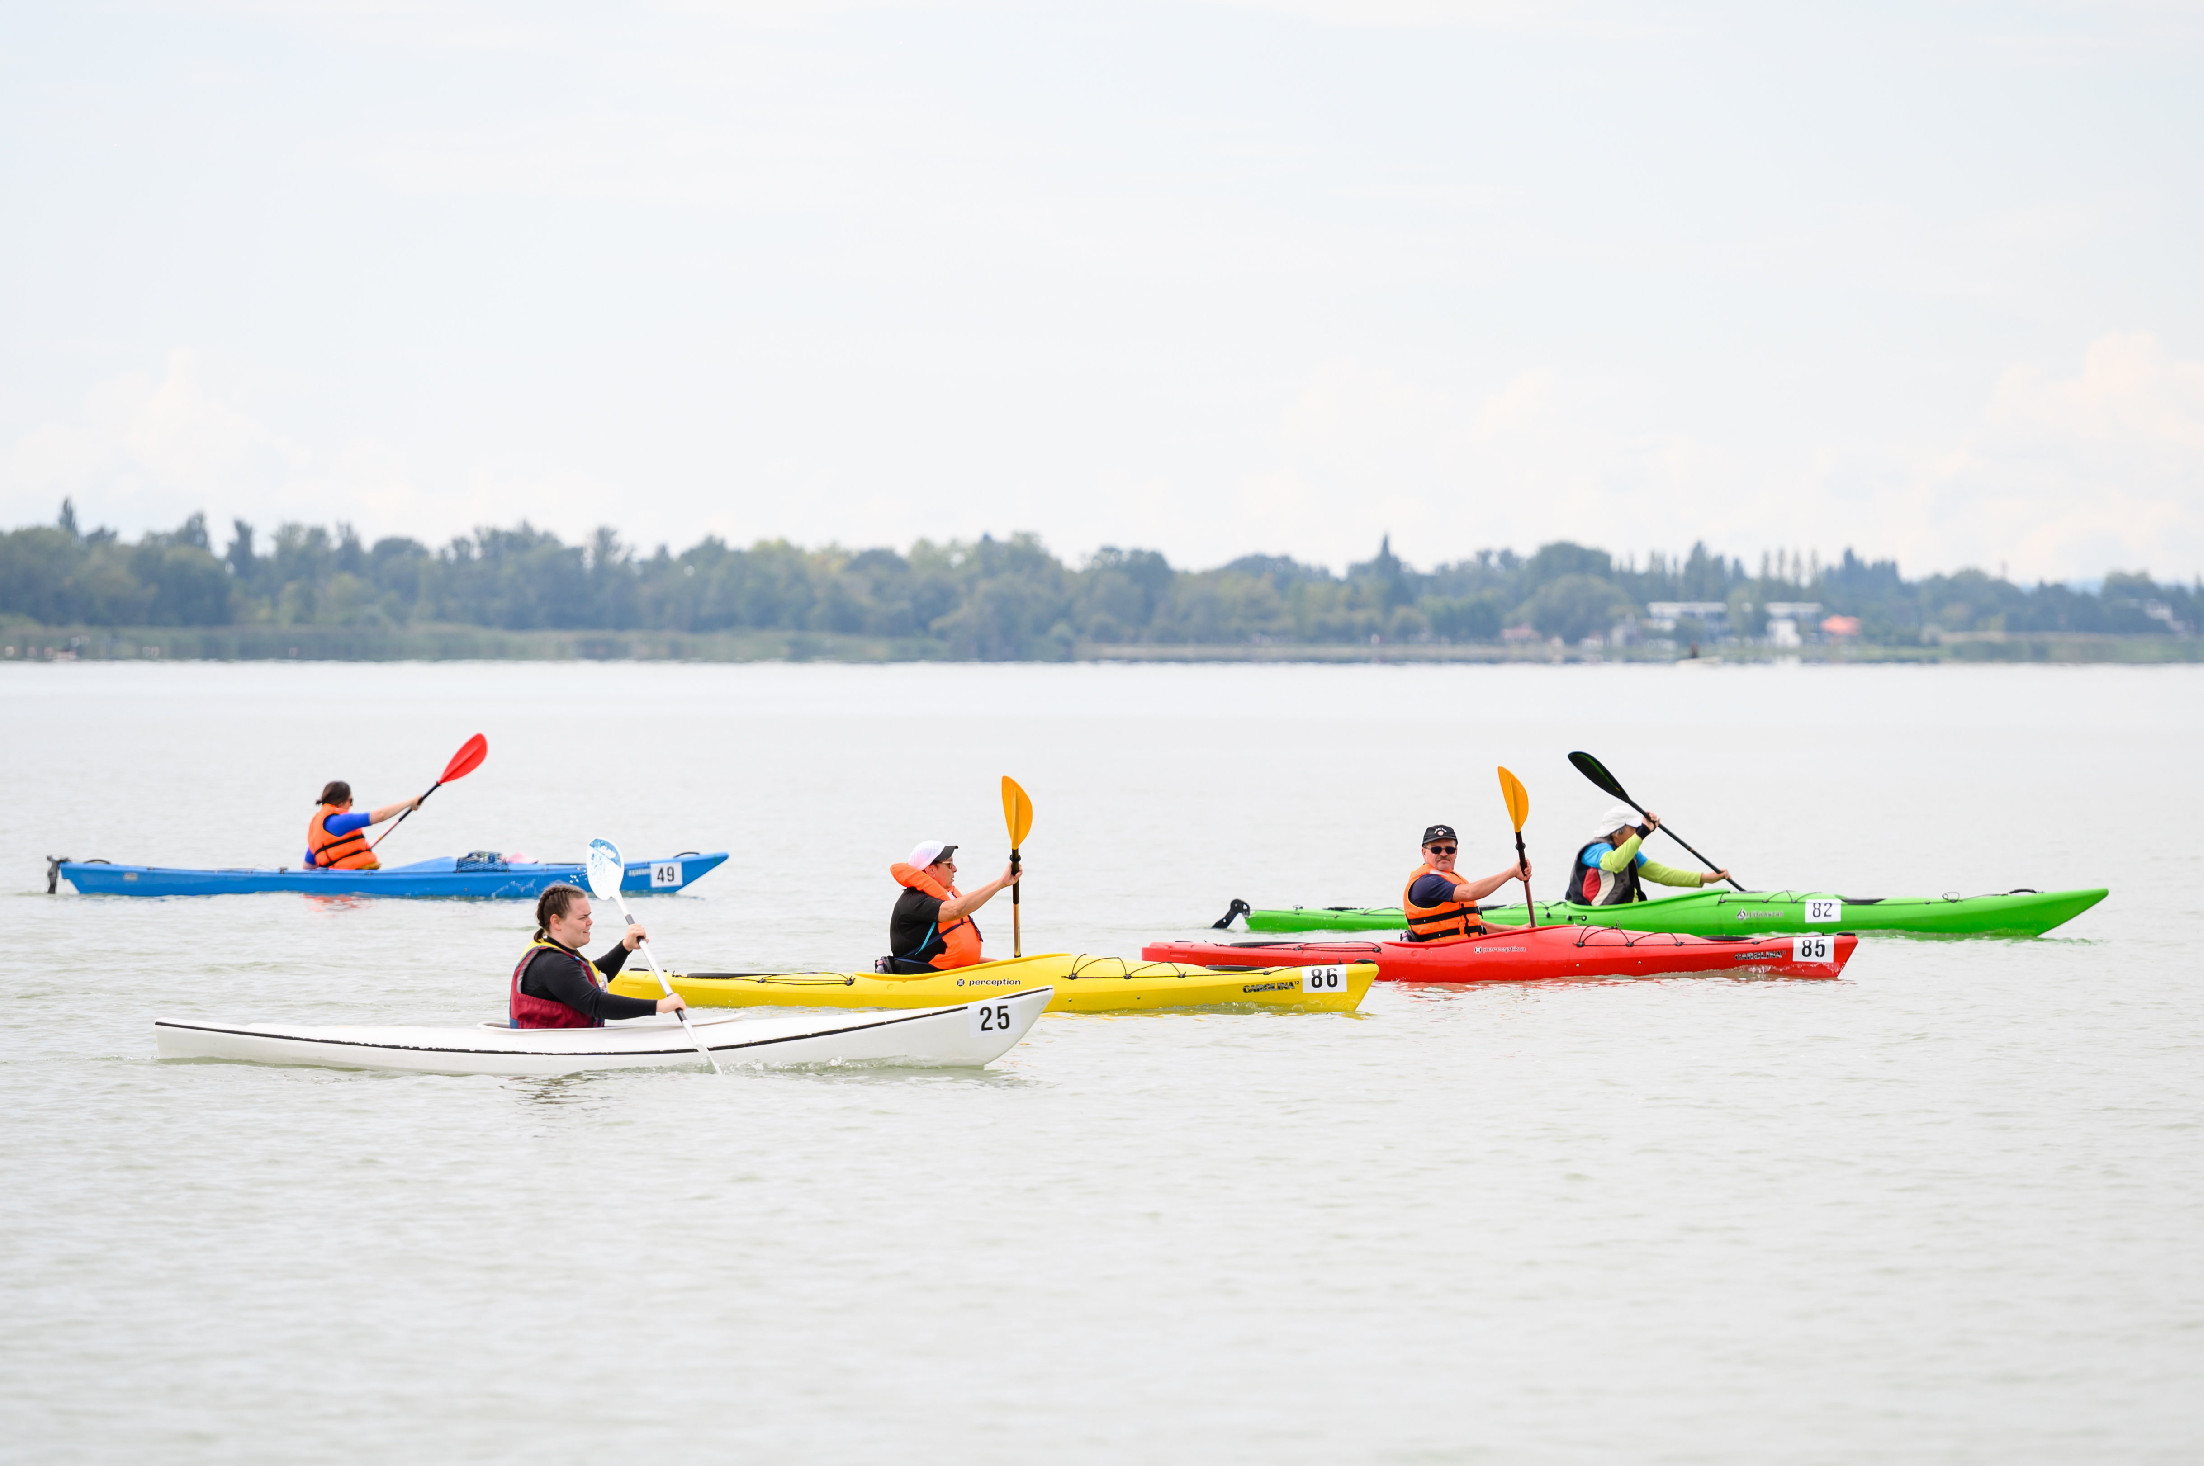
<point x="1017" y="812"/>
<point x="1518" y="798"/>
<point x="467" y="760"/>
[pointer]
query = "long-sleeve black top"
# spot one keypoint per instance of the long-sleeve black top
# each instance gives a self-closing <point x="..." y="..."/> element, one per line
<point x="556" y="972"/>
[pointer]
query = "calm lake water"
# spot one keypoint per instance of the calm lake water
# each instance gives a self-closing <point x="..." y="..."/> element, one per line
<point x="1945" y="1210"/>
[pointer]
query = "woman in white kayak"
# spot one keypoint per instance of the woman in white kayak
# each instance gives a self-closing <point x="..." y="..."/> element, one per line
<point x="555" y="986"/>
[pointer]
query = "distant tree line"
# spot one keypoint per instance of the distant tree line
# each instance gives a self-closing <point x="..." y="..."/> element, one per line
<point x="994" y="599"/>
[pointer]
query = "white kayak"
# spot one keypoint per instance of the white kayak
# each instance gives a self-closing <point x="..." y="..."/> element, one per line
<point x="965" y="1035"/>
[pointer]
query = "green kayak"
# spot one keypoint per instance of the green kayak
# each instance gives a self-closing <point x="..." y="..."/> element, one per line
<point x="1735" y="914"/>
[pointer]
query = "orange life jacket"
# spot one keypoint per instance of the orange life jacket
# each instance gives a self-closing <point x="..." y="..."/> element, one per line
<point x="337" y="852"/>
<point x="1447" y="919"/>
<point x="960" y="940"/>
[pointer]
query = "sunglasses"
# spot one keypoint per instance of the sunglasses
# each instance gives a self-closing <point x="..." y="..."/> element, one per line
<point x="1441" y="849"/>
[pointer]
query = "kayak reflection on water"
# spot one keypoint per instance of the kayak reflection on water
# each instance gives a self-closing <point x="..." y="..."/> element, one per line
<point x="555" y="986"/>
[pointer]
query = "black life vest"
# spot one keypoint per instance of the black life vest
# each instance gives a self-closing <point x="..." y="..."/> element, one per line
<point x="1591" y="886"/>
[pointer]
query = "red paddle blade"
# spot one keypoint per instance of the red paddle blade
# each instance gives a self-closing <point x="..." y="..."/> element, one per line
<point x="467" y="760"/>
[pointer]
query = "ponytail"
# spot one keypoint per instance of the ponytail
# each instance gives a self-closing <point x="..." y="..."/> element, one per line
<point x="555" y="901"/>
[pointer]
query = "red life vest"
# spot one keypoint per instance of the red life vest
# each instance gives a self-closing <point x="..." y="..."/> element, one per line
<point x="1449" y="918"/>
<point x="960" y="940"/>
<point x="529" y="1011"/>
<point x="337" y="852"/>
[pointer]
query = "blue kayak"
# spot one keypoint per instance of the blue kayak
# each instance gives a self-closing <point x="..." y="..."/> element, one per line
<point x="446" y="876"/>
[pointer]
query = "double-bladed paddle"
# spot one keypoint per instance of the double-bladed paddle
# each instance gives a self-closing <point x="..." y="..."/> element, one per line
<point x="1018" y="820"/>
<point x="1519" y="809"/>
<point x="606" y="871"/>
<point x="466" y="761"/>
<point x="1591" y="768"/>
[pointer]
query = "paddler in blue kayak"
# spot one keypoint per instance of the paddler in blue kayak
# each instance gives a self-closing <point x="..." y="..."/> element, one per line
<point x="1437" y="902"/>
<point x="336" y="838"/>
<point x="931" y="929"/>
<point x="555" y="986"/>
<point x="1612" y="870"/>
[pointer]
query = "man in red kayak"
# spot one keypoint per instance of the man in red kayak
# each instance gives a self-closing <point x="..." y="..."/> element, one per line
<point x="1438" y="902"/>
<point x="555" y="986"/>
<point x="1611" y="870"/>
<point x="336" y="838"/>
<point x="932" y="929"/>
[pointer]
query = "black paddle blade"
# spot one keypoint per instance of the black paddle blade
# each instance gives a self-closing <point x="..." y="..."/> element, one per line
<point x="1591" y="768"/>
<point x="1237" y="908"/>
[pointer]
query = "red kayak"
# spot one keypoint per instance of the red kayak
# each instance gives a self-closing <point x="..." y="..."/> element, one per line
<point x="1528" y="954"/>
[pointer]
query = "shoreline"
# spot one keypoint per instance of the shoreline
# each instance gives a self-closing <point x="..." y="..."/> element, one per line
<point x="446" y="643"/>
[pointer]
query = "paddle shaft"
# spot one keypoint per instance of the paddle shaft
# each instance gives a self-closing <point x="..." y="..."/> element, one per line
<point x="1017" y="936"/>
<point x="1523" y="863"/>
<point x="1710" y="865"/>
<point x="652" y="958"/>
<point x="394" y="824"/>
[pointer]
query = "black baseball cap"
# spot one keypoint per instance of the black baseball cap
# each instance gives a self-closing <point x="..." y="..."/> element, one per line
<point x="1440" y="832"/>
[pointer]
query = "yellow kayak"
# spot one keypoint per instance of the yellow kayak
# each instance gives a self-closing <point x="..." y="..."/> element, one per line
<point x="1083" y="985"/>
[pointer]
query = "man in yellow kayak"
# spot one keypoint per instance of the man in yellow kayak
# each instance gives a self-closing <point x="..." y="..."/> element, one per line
<point x="336" y="838"/>
<point x="932" y="928"/>
<point x="1439" y="903"/>
<point x="1611" y="870"/>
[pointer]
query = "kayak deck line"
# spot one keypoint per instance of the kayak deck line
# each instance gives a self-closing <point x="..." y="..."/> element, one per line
<point x="966" y="1034"/>
<point x="441" y="876"/>
<point x="2022" y="911"/>
<point x="888" y="1019"/>
<point x="1077" y="984"/>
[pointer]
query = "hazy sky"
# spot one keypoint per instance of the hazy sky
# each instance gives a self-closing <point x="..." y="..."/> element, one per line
<point x="1281" y="276"/>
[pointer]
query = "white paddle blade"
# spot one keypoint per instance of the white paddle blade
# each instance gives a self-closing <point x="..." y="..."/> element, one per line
<point x="605" y="870"/>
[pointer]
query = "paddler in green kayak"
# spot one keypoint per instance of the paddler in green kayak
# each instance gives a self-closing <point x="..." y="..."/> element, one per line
<point x="1437" y="902"/>
<point x="1611" y="870"/>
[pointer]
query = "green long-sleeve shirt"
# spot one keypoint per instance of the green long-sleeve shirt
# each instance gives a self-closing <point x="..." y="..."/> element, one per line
<point x="1615" y="861"/>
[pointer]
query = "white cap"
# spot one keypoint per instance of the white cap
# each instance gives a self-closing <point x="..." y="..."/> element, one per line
<point x="1615" y="819"/>
<point x="926" y="852"/>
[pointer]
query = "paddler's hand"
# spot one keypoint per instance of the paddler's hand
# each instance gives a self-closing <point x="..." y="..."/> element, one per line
<point x="1712" y="876"/>
<point x="635" y="937"/>
<point x="672" y="1003"/>
<point x="1652" y="822"/>
<point x="1522" y="870"/>
<point x="1011" y="877"/>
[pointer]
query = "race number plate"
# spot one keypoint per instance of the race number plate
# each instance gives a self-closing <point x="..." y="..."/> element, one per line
<point x="665" y="873"/>
<point x="990" y="1020"/>
<point x="1323" y="979"/>
<point x="1818" y="947"/>
<point x="1819" y="912"/>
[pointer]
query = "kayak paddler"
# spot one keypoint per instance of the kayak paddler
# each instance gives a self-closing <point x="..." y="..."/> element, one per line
<point x="336" y="838"/>
<point x="555" y="986"/>
<point x="932" y="928"/>
<point x="1439" y="903"/>
<point x="1612" y="870"/>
